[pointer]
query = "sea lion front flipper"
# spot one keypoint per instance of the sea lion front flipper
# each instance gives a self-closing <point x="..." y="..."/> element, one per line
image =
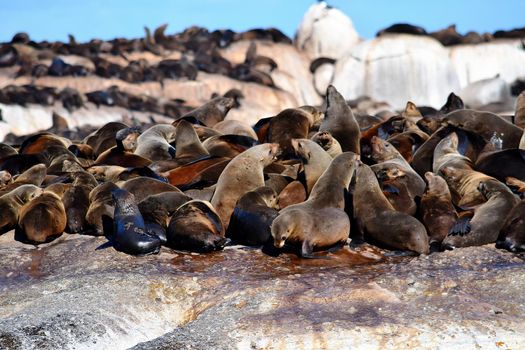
<point x="461" y="227"/>
<point x="307" y="252"/>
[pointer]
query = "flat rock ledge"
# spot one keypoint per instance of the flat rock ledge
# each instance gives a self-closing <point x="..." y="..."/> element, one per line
<point x="70" y="295"/>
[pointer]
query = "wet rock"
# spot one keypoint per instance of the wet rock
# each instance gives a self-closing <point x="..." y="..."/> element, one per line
<point x="68" y="294"/>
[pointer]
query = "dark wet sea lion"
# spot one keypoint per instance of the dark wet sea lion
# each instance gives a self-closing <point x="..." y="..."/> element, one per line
<point x="141" y="187"/>
<point x="243" y="174"/>
<point x="101" y="207"/>
<point x="454" y="102"/>
<point x="196" y="226"/>
<point x="129" y="232"/>
<point x="502" y="164"/>
<point x="42" y="219"/>
<point x="436" y="210"/>
<point x="253" y="216"/>
<point x="377" y="220"/>
<point x="340" y="121"/>
<point x="489" y="218"/>
<point x="11" y="203"/>
<point x="212" y="111"/>
<point x="512" y="234"/>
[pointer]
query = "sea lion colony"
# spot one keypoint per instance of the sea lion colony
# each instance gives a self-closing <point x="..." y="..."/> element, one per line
<point x="307" y="179"/>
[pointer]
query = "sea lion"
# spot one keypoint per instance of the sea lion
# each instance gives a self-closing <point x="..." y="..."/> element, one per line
<point x="340" y="121"/>
<point x="328" y="142"/>
<point x="76" y="202"/>
<point x="104" y="138"/>
<point x="326" y="228"/>
<point x="484" y="227"/>
<point x="378" y="222"/>
<point x="315" y="160"/>
<point x="235" y="127"/>
<point x="5" y="178"/>
<point x="436" y="210"/>
<point x="288" y="124"/>
<point x="42" y="219"/>
<point x="199" y="173"/>
<point x="196" y="226"/>
<point x="512" y="234"/>
<point x="453" y="103"/>
<point x="101" y="207"/>
<point x="503" y="164"/>
<point x="154" y="143"/>
<point x="253" y="216"/>
<point x="446" y="154"/>
<point x="40" y="142"/>
<point x="243" y="174"/>
<point x="464" y="186"/>
<point x="403" y="28"/>
<point x="395" y="185"/>
<point x="228" y="145"/>
<point x="6" y="150"/>
<point x="408" y="142"/>
<point x="129" y="232"/>
<point x="142" y="186"/>
<point x="212" y="111"/>
<point x="11" y="203"/>
<point x="486" y="124"/>
<point x="293" y="193"/>
<point x="187" y="143"/>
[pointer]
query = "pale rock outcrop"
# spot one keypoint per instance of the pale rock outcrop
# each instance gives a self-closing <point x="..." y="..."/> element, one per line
<point x="323" y="77"/>
<point x="325" y="32"/>
<point x="484" y="92"/>
<point x="486" y="60"/>
<point x="397" y="68"/>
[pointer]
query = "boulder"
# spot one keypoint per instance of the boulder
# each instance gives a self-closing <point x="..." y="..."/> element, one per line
<point x="325" y="32"/>
<point x="486" y="91"/>
<point x="397" y="68"/>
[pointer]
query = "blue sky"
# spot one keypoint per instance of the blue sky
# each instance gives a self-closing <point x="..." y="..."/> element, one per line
<point x="106" y="19"/>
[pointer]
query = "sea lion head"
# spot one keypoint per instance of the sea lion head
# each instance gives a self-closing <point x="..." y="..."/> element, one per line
<point x="268" y="195"/>
<point x="382" y="150"/>
<point x="270" y="154"/>
<point x="282" y="228"/>
<point x="27" y="192"/>
<point x="323" y="139"/>
<point x="491" y="187"/>
<point x="301" y="149"/>
<point x="127" y="138"/>
<point x="124" y="201"/>
<point x="449" y="144"/>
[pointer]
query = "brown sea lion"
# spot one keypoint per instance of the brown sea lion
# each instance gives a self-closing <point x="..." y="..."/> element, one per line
<point x="43" y="218"/>
<point x="377" y="220"/>
<point x="200" y="173"/>
<point x="328" y="142"/>
<point x="436" y="210"/>
<point x="187" y="143"/>
<point x="446" y="154"/>
<point x="11" y="203"/>
<point x="315" y="160"/>
<point x="408" y="142"/>
<point x="228" y="145"/>
<point x="253" y="216"/>
<point x="154" y="143"/>
<point x="292" y="193"/>
<point x="396" y="188"/>
<point x="325" y="228"/>
<point x="142" y="186"/>
<point x="38" y="143"/>
<point x="235" y="127"/>
<point x="101" y="207"/>
<point x="464" y="184"/>
<point x="340" y="121"/>
<point x="489" y="218"/>
<point x="288" y="124"/>
<point x="512" y="234"/>
<point x="503" y="164"/>
<point x="243" y="174"/>
<point x="104" y="138"/>
<point x="212" y="111"/>
<point x="196" y="226"/>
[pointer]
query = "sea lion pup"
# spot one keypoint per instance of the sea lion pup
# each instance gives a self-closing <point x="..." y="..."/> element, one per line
<point x="377" y="220"/>
<point x="129" y="231"/>
<point x="436" y="210"/>
<point x="253" y="216"/>
<point x="42" y="219"/>
<point x="157" y="209"/>
<point x="446" y="154"/>
<point x="11" y="203"/>
<point x="512" y="234"/>
<point x="519" y="114"/>
<point x="228" y="145"/>
<point x="101" y="208"/>
<point x="6" y="150"/>
<point x="484" y="227"/>
<point x="235" y="127"/>
<point x="187" y="143"/>
<point x="142" y="186"/>
<point x="503" y="164"/>
<point x="288" y="124"/>
<point x="315" y="160"/>
<point x="196" y="226"/>
<point x="395" y="186"/>
<point x="212" y="111"/>
<point x="328" y="142"/>
<point x="104" y="138"/>
<point x="485" y="124"/>
<point x="340" y="121"/>
<point x="387" y="157"/>
<point x="154" y="143"/>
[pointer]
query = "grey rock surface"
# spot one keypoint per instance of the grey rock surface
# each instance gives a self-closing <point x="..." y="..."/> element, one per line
<point x="69" y="294"/>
